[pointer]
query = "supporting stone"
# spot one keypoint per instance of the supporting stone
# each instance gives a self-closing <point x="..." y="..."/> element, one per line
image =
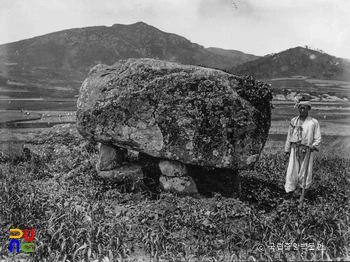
<point x="110" y="157"/>
<point x="172" y="168"/>
<point x="175" y="178"/>
<point x="133" y="156"/>
<point x="181" y="185"/>
<point x="128" y="171"/>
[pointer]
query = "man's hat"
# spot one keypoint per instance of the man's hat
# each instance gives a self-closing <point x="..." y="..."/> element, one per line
<point x="306" y="103"/>
<point x="301" y="101"/>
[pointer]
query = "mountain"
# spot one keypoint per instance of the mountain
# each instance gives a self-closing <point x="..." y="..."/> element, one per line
<point x="296" y="61"/>
<point x="63" y="58"/>
<point x="238" y="56"/>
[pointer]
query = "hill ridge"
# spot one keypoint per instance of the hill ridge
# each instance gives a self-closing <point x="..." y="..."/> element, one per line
<point x="296" y="61"/>
<point x="64" y="57"/>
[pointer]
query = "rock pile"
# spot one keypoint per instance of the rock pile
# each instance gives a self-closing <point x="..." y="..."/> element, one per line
<point x="179" y="115"/>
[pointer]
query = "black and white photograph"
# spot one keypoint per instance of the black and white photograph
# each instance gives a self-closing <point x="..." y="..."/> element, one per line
<point x="174" y="130"/>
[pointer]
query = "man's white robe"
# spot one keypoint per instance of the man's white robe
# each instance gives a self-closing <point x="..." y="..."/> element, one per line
<point x="308" y="134"/>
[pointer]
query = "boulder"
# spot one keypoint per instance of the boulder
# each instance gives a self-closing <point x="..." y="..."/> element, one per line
<point x="195" y="115"/>
<point x="181" y="185"/>
<point x="110" y="157"/>
<point x="172" y="168"/>
<point x="127" y="171"/>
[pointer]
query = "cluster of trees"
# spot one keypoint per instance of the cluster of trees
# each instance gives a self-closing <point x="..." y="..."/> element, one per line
<point x="315" y="49"/>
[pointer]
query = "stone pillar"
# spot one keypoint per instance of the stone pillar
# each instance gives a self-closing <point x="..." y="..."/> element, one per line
<point x="112" y="164"/>
<point x="175" y="178"/>
<point x="127" y="171"/>
<point x="110" y="157"/>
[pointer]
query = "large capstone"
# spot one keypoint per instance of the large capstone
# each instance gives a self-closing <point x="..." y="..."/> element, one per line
<point x="194" y="115"/>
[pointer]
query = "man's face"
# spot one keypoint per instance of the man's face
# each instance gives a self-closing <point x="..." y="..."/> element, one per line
<point x="304" y="110"/>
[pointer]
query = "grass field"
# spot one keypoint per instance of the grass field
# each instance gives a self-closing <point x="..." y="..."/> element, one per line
<point x="78" y="217"/>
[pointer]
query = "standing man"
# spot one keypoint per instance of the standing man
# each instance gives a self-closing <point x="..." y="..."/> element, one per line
<point x="304" y="137"/>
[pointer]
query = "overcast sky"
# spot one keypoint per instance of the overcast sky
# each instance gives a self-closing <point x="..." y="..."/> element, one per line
<point x="257" y="27"/>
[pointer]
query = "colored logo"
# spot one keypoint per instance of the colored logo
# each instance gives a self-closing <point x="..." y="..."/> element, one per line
<point x="16" y="234"/>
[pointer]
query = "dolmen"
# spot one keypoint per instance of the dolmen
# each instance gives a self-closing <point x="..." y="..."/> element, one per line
<point x="187" y="124"/>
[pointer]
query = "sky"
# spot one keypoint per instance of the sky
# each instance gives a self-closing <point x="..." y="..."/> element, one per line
<point x="258" y="27"/>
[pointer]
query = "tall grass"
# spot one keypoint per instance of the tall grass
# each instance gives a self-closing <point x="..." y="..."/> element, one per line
<point x="78" y="217"/>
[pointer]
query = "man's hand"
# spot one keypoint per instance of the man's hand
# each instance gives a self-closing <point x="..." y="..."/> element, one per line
<point x="312" y="149"/>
